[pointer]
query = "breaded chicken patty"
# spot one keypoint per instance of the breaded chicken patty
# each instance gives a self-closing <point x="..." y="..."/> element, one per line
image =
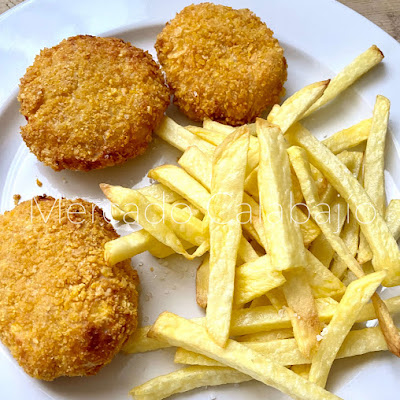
<point x="91" y="102"/>
<point x="63" y="311"/>
<point x="221" y="63"/>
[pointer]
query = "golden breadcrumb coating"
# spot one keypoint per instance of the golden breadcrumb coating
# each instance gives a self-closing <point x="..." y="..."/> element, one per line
<point x="221" y="63"/>
<point x="91" y="102"/>
<point x="63" y="311"/>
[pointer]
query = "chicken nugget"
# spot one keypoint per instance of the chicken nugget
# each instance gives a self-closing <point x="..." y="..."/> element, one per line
<point x="221" y="63"/>
<point x="91" y="102"/>
<point x="63" y="310"/>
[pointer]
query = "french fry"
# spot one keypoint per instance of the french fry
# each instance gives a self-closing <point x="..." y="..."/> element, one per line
<point x="255" y="279"/>
<point x="202" y="274"/>
<point x="286" y="351"/>
<point x="374" y="165"/>
<point x="246" y="252"/>
<point x="301" y="369"/>
<point x="227" y="129"/>
<point x="349" y="236"/>
<point x="302" y="310"/>
<point x="225" y="230"/>
<point x="357" y="294"/>
<point x="158" y="191"/>
<point x="386" y="254"/>
<point x="186" y="379"/>
<point x="178" y="222"/>
<point x="181" y="138"/>
<point x="349" y="137"/>
<point x="321" y="247"/>
<point x="277" y="298"/>
<point x="393" y="218"/>
<point x="284" y="239"/>
<point x="260" y="301"/>
<point x="178" y="331"/>
<point x="278" y="334"/>
<point x="178" y="180"/>
<point x="135" y="243"/>
<point x="198" y="164"/>
<point x="296" y="105"/>
<point x="210" y="136"/>
<point x="184" y="204"/>
<point x="258" y="319"/>
<point x="345" y="78"/>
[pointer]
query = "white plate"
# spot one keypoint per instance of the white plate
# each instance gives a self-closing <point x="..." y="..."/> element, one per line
<point x="319" y="37"/>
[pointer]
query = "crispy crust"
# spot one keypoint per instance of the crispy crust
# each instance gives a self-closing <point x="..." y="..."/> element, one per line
<point x="221" y="63"/>
<point x="63" y="311"/>
<point x="91" y="102"/>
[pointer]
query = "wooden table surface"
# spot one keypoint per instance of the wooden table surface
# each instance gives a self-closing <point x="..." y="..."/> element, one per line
<point x="384" y="13"/>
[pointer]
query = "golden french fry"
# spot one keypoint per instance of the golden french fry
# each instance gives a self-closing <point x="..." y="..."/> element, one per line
<point x="286" y="351"/>
<point x="210" y="136"/>
<point x="374" y="165"/>
<point x="386" y="254"/>
<point x="254" y="279"/>
<point x="345" y="78"/>
<point x="357" y="294"/>
<point x="225" y="230"/>
<point x="258" y="319"/>
<point x="260" y="301"/>
<point x="184" y="204"/>
<point x="302" y="310"/>
<point x="277" y="298"/>
<point x="349" y="236"/>
<point x="178" y="180"/>
<point x="296" y="105"/>
<point x="301" y="369"/>
<point x="198" y="164"/>
<point x="266" y="336"/>
<point x="158" y="191"/>
<point x="246" y="252"/>
<point x="393" y="218"/>
<point x="180" y="137"/>
<point x="161" y="220"/>
<point x="202" y="274"/>
<point x="186" y="379"/>
<point x="299" y="161"/>
<point x="349" y="137"/>
<point x="227" y="129"/>
<point x="284" y="239"/>
<point x="178" y="331"/>
<point x="321" y="247"/>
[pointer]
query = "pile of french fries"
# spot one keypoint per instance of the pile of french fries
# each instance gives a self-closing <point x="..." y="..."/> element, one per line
<point x="282" y="279"/>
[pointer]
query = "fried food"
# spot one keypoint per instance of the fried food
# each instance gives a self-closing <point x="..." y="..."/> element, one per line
<point x="63" y="311"/>
<point x="91" y="102"/>
<point x="221" y="63"/>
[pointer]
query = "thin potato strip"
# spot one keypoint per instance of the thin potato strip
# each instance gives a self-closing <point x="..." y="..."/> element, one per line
<point x="178" y="180"/>
<point x="301" y="166"/>
<point x="374" y="165"/>
<point x="254" y="279"/>
<point x="286" y="351"/>
<point x="258" y="319"/>
<point x="163" y="221"/>
<point x="277" y="298"/>
<point x="158" y="191"/>
<point x="296" y="105"/>
<point x="227" y="129"/>
<point x="225" y="230"/>
<point x="349" y="137"/>
<point x="278" y="334"/>
<point x="302" y="310"/>
<point x="197" y="164"/>
<point x="260" y="301"/>
<point x="186" y="379"/>
<point x="246" y="252"/>
<point x="202" y="275"/>
<point x="386" y="254"/>
<point x="284" y="239"/>
<point x="345" y="78"/>
<point x="211" y="136"/>
<point x="180" y="137"/>
<point x="349" y="236"/>
<point x="357" y="294"/>
<point x="393" y="218"/>
<point x="321" y="247"/>
<point x="302" y="369"/>
<point x="178" y="331"/>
